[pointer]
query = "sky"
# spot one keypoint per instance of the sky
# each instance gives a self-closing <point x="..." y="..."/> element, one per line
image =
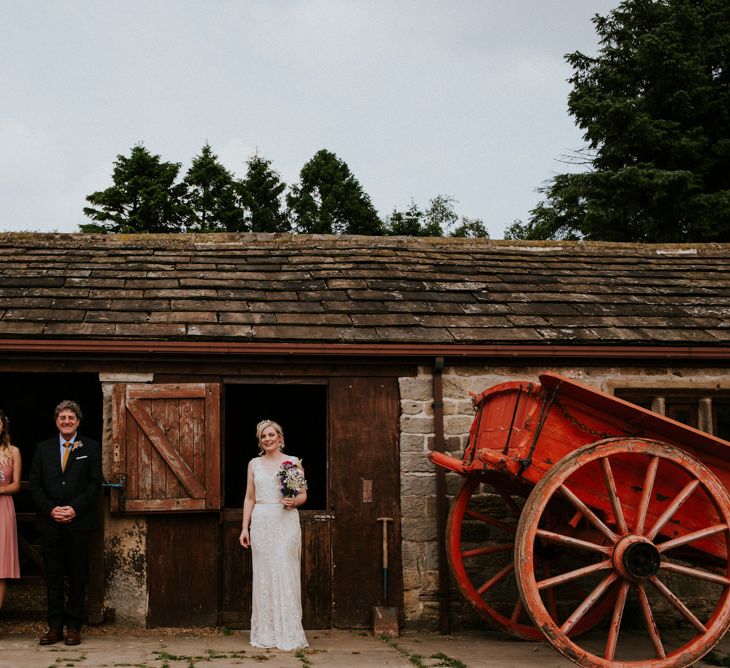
<point x="464" y="98"/>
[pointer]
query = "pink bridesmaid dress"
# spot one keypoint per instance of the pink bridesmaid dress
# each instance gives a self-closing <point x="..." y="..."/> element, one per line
<point x="9" y="567"/>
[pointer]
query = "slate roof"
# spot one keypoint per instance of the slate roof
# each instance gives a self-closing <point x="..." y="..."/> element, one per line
<point x="327" y="289"/>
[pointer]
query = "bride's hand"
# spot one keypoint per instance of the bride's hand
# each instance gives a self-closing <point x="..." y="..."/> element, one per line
<point x="244" y="539"/>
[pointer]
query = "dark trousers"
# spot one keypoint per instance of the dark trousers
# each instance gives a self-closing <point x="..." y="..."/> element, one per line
<point x="65" y="552"/>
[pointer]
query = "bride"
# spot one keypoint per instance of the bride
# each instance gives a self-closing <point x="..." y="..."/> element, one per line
<point x="271" y="528"/>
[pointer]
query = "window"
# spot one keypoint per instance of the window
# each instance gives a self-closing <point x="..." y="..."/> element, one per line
<point x="708" y="411"/>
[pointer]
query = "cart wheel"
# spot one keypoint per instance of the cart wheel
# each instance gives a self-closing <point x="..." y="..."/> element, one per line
<point x="659" y="538"/>
<point x="481" y="539"/>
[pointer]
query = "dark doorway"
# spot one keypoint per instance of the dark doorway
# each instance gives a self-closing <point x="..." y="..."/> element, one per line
<point x="29" y="400"/>
<point x="301" y="410"/>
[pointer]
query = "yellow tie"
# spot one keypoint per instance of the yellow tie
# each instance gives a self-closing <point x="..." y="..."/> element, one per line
<point x="66" y="452"/>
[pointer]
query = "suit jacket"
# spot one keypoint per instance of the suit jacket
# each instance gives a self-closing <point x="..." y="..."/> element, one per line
<point x="77" y="486"/>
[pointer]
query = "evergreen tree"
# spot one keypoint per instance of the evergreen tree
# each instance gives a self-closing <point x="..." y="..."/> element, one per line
<point x="260" y="195"/>
<point x="329" y="200"/>
<point x="406" y="223"/>
<point x="210" y="196"/>
<point x="654" y="105"/>
<point x="144" y="197"/>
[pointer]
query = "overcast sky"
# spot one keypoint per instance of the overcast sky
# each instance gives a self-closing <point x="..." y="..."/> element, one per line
<point x="422" y="97"/>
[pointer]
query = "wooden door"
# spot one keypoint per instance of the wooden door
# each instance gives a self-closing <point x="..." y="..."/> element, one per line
<point x="182" y="570"/>
<point x="166" y="442"/>
<point x="364" y="484"/>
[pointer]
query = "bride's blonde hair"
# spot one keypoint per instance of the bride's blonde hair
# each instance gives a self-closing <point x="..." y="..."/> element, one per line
<point x="265" y="424"/>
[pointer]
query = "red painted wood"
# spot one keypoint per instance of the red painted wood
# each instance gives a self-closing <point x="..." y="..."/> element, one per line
<point x="662" y="484"/>
<point x="168" y="443"/>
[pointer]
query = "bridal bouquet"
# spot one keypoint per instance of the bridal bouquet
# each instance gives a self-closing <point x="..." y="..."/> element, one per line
<point x="291" y="478"/>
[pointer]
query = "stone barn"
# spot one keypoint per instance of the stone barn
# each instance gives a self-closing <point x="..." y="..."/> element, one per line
<point x="364" y="349"/>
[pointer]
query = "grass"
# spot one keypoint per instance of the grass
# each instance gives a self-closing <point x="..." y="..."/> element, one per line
<point x="444" y="661"/>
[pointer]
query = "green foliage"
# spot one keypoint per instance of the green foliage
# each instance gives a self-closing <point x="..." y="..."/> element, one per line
<point x="654" y="105"/>
<point x="210" y="196"/>
<point x="406" y="223"/>
<point x="471" y="228"/>
<point x="144" y="197"/>
<point x="261" y="194"/>
<point x="439" y="219"/>
<point x="329" y="200"/>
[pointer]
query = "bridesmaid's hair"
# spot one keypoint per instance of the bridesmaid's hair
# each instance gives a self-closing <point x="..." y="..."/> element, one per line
<point x="5" y="441"/>
<point x="265" y="424"/>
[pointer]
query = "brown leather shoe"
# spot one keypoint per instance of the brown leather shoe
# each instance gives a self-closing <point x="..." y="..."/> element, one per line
<point x="51" y="636"/>
<point x="73" y="637"/>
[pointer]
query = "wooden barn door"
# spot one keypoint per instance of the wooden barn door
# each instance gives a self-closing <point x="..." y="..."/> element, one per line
<point x="167" y="455"/>
<point x="364" y="485"/>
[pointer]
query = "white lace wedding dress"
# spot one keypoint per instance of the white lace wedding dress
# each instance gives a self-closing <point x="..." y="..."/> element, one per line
<point x="276" y="548"/>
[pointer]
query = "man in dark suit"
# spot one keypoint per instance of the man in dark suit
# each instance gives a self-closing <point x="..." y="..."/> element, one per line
<point x="65" y="479"/>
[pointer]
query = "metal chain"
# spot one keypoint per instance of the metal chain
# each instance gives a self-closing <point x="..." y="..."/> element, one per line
<point x="583" y="427"/>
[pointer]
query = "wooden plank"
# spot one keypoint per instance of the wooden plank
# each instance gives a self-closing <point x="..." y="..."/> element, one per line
<point x="236" y="574"/>
<point x="364" y="452"/>
<point x="167" y="391"/>
<point x="172" y="418"/>
<point x="156" y="410"/>
<point x="163" y="505"/>
<point x="143" y="469"/>
<point x="213" y="487"/>
<point x="316" y="569"/>
<point x="182" y="558"/>
<point x="158" y="439"/>
<point x="119" y="440"/>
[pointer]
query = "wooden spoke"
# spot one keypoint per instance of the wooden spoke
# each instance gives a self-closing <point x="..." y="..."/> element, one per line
<point x="510" y="503"/>
<point x="474" y="564"/>
<point x="612" y="572"/>
<point x="589" y="602"/>
<point x="674" y="600"/>
<point x="501" y="575"/>
<point x="651" y="626"/>
<point x="517" y="610"/>
<point x="569" y="541"/>
<point x="552" y="605"/>
<point x="691" y="537"/>
<point x="696" y="573"/>
<point x="610" y="483"/>
<point x="589" y="514"/>
<point x="573" y="575"/>
<point x="613" y="630"/>
<point x="683" y="495"/>
<point x="649" y="478"/>
<point x="489" y="549"/>
<point x="508" y="528"/>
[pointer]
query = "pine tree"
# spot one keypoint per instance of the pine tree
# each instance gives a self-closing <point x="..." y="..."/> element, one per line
<point x="144" y="197"/>
<point x="654" y="105"/>
<point x="210" y="196"/>
<point x="329" y="200"/>
<point x="260" y="194"/>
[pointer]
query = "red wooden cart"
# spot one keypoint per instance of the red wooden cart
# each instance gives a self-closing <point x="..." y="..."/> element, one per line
<point x="594" y="523"/>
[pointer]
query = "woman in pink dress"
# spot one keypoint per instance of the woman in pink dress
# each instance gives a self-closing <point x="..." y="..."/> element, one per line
<point x="10" y="469"/>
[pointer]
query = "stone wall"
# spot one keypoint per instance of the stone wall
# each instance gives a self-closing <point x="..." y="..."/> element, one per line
<point x="125" y="538"/>
<point x="418" y="497"/>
